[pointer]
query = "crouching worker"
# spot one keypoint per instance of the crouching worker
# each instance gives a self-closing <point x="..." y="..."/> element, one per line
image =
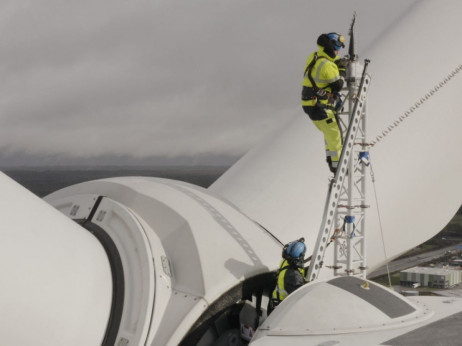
<point x="291" y="274"/>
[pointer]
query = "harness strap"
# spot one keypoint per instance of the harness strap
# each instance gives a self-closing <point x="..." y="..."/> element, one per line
<point x="314" y="92"/>
<point x="309" y="70"/>
<point x="277" y="278"/>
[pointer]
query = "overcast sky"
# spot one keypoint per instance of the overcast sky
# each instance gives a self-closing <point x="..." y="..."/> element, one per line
<point x="87" y="81"/>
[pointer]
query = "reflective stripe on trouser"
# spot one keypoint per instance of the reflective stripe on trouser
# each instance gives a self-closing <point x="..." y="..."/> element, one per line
<point x="332" y="136"/>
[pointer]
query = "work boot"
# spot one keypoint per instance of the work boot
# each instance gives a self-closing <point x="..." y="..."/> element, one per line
<point x="331" y="166"/>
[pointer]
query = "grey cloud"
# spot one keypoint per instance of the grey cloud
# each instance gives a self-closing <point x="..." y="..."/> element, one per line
<point x="172" y="78"/>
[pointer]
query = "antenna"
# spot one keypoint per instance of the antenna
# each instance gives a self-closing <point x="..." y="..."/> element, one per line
<point x="351" y="46"/>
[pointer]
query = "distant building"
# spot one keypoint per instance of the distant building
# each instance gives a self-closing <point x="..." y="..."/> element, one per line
<point x="431" y="277"/>
<point x="455" y="262"/>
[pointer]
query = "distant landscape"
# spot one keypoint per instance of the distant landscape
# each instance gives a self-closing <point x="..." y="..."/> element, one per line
<point x="44" y="180"/>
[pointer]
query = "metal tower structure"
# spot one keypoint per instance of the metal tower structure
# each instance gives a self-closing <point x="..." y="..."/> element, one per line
<point x="343" y="221"/>
<point x="350" y="225"/>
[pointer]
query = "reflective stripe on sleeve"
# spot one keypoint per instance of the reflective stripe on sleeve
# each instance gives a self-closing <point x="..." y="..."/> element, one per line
<point x="317" y="77"/>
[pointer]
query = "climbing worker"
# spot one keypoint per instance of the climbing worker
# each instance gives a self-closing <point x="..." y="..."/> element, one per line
<point x="291" y="274"/>
<point x="321" y="98"/>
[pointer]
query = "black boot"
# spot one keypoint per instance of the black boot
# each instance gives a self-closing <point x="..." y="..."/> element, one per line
<point x="331" y="167"/>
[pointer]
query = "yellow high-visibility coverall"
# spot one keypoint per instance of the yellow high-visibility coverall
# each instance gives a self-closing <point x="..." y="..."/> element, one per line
<point x="326" y="75"/>
<point x="289" y="279"/>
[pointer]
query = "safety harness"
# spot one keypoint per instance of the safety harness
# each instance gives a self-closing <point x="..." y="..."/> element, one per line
<point x="314" y="92"/>
<point x="310" y="93"/>
<point x="277" y="280"/>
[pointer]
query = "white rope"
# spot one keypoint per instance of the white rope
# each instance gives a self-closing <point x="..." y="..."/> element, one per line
<point x="417" y="104"/>
<point x="380" y="224"/>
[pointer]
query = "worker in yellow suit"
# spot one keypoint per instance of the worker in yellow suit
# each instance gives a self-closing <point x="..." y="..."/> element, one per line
<point x="322" y="83"/>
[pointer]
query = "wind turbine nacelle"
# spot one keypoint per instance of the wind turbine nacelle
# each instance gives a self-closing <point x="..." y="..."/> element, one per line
<point x="177" y="255"/>
<point x="126" y="261"/>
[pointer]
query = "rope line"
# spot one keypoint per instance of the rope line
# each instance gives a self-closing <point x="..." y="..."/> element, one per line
<point x="380" y="226"/>
<point x="390" y="128"/>
<point x="416" y="105"/>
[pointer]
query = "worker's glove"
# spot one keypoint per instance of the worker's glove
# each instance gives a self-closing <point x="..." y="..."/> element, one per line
<point x="338" y="103"/>
<point x="342" y="63"/>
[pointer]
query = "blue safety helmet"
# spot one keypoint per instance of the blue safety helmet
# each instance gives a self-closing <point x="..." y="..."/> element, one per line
<point x="294" y="252"/>
<point x="296" y="249"/>
<point x="338" y="41"/>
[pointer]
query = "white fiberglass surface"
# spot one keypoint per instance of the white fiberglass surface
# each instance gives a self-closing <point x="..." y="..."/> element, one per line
<point x="282" y="184"/>
<point x="56" y="279"/>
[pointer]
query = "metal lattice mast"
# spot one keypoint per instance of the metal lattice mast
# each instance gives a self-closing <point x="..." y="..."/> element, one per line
<point x="350" y="250"/>
<point x="343" y="220"/>
<point x="350" y="225"/>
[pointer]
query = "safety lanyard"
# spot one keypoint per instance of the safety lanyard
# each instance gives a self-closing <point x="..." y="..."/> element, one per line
<point x="309" y="70"/>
